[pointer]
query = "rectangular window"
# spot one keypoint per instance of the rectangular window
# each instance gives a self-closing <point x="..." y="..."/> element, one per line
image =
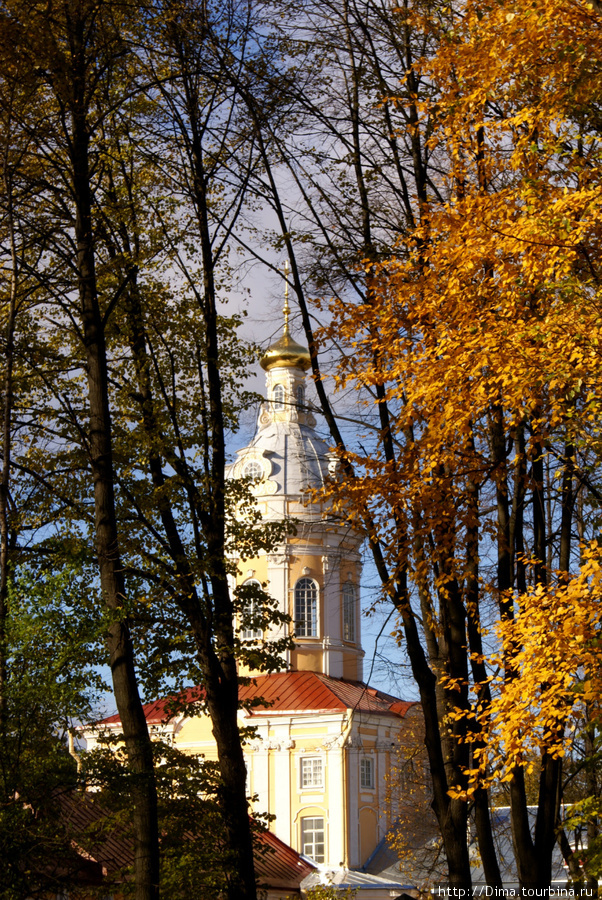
<point x="311" y="772"/>
<point x="348" y="612"/>
<point x="312" y="839"/>
<point x="366" y="772"/>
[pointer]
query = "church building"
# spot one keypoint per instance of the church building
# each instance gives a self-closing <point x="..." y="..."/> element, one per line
<point x="324" y="742"/>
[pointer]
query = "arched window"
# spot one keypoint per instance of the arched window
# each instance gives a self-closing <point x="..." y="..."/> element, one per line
<point x="278" y="396"/>
<point x="250" y="610"/>
<point x="253" y="470"/>
<point x="348" y="612"/>
<point x="300" y="395"/>
<point x="306" y="608"/>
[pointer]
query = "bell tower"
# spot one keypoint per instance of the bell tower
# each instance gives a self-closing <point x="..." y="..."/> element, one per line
<point x="315" y="575"/>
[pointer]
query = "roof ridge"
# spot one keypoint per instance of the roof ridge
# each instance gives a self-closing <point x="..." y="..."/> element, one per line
<point x="291" y="690"/>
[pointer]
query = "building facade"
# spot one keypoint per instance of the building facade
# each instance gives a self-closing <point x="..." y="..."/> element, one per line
<point x="315" y="576"/>
<point x="323" y="742"/>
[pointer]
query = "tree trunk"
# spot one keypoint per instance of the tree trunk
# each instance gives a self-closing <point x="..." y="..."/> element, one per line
<point x="215" y="646"/>
<point x="119" y="644"/>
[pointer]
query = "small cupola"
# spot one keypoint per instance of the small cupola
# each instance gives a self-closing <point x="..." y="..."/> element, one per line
<point x="286" y="353"/>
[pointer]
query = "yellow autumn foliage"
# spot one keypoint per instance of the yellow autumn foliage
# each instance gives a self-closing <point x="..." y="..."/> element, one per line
<point x="486" y="325"/>
<point x="555" y="643"/>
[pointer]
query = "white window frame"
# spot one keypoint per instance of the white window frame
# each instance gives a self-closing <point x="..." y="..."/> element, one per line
<point x="306" y="608"/>
<point x="367" y="773"/>
<point x="311" y="773"/>
<point x="349" y="612"/>
<point x="278" y="397"/>
<point x="313" y="838"/>
<point x="253" y="469"/>
<point x="250" y="634"/>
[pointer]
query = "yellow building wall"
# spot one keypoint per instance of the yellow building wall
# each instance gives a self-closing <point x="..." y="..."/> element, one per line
<point x="305" y="559"/>
<point x="368" y="826"/>
<point x="355" y="817"/>
<point x="256" y="568"/>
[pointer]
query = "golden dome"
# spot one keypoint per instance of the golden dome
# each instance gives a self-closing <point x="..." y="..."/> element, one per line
<point x="286" y="351"/>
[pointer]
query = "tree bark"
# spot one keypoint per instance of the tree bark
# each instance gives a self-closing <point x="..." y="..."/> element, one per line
<point x="119" y="643"/>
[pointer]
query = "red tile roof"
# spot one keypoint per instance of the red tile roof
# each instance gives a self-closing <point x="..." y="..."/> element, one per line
<point x="277" y="865"/>
<point x="284" y="693"/>
<point x="114" y="849"/>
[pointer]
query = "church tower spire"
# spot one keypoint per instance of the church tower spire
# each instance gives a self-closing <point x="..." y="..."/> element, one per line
<point x="315" y="575"/>
<point x="286" y="351"/>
